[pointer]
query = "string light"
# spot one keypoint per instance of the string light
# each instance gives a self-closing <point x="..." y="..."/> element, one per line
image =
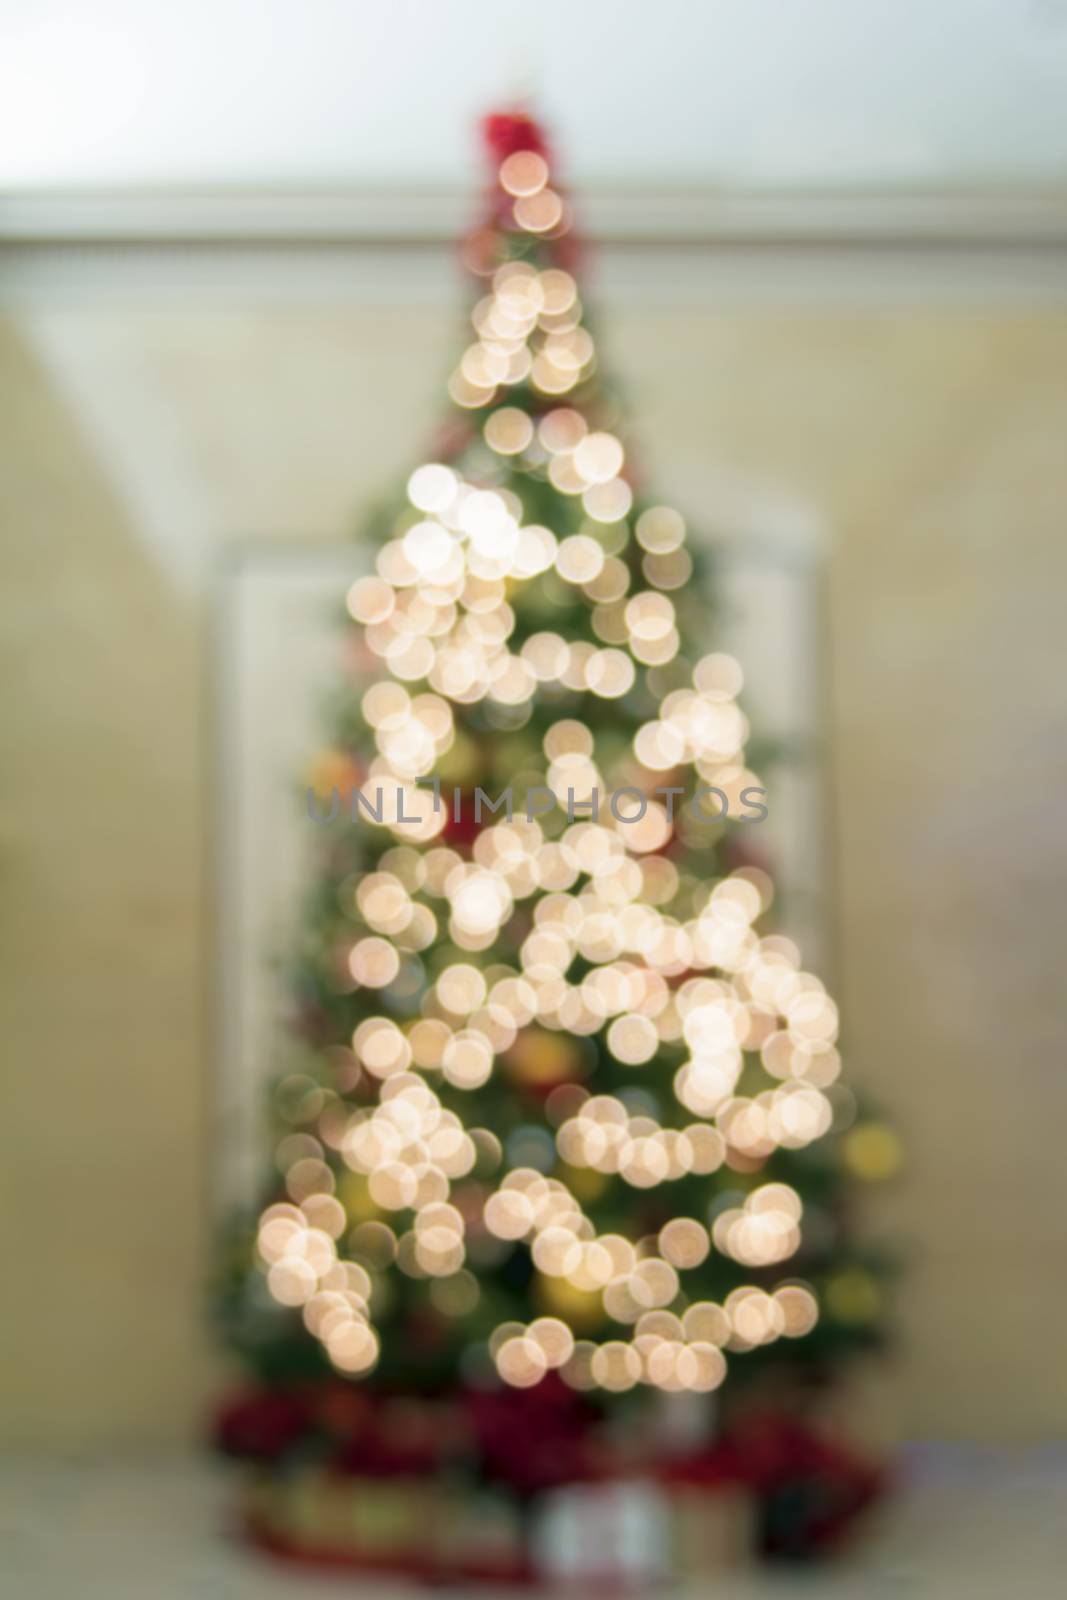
<point x="576" y="934"/>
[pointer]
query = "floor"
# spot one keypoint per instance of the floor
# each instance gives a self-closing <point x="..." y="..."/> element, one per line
<point x="964" y="1526"/>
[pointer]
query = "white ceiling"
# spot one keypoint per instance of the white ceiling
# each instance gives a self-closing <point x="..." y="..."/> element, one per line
<point x="746" y="93"/>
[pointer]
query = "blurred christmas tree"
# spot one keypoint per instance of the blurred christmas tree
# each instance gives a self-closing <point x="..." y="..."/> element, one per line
<point x="562" y="1105"/>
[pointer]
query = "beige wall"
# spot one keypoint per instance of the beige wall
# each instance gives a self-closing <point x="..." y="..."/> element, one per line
<point x="138" y="442"/>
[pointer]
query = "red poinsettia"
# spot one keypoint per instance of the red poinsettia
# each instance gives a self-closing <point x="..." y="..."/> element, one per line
<point x="534" y="1439"/>
<point x="261" y="1425"/>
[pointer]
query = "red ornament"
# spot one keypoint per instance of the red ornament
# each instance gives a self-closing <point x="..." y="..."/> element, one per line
<point x="461" y="829"/>
<point x="451" y="438"/>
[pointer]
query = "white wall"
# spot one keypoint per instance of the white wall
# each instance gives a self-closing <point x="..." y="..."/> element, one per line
<point x="930" y="436"/>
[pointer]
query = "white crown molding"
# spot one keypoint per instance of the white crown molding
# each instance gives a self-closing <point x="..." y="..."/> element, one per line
<point x="1027" y="217"/>
<point x="673" y="247"/>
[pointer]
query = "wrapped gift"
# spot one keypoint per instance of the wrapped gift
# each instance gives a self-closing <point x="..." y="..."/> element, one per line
<point x="329" y="1517"/>
<point x="480" y="1533"/>
<point x="608" y="1535"/>
<point x="509" y="1486"/>
<point x="712" y="1528"/>
<point x="394" y="1519"/>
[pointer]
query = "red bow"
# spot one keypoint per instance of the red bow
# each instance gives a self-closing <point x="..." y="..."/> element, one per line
<point x="505" y="132"/>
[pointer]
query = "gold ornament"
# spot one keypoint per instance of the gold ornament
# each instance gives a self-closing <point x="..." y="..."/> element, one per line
<point x="581" y="1309"/>
<point x="355" y="1196"/>
<point x="543" y="1059"/>
<point x="853" y="1297"/>
<point x="872" y="1152"/>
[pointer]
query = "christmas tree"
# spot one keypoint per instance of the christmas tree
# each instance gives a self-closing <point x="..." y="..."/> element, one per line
<point x="564" y="1099"/>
